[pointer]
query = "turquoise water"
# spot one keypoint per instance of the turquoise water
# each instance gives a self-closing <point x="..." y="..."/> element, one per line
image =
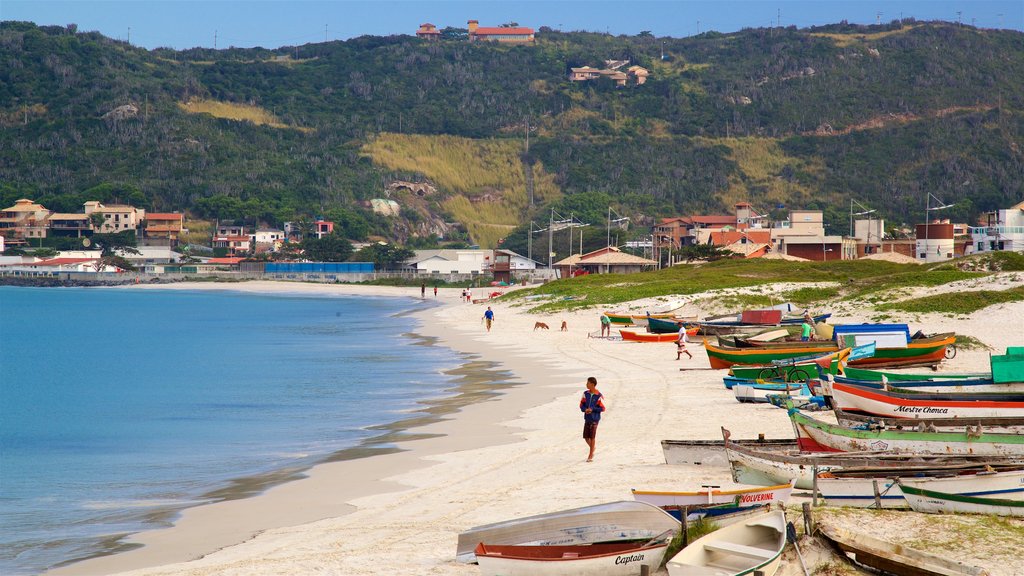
<point x="119" y="407"/>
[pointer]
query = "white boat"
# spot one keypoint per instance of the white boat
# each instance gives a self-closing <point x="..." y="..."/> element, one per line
<point x="894" y="558"/>
<point x="611" y="522"/>
<point x="712" y="452"/>
<point x="932" y="502"/>
<point x="981" y="493"/>
<point x="738" y="549"/>
<point x="900" y="403"/>
<point x="616" y="559"/>
<point x="743" y="496"/>
<point x="860" y="492"/>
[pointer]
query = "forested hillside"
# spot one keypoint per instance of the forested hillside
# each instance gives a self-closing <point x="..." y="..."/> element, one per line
<point x="803" y="118"/>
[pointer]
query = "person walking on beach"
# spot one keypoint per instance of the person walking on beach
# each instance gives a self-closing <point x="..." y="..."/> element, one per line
<point x="435" y="290"/>
<point x="423" y="290"/>
<point x="592" y="405"/>
<point x="488" y="318"/>
<point x="606" y="326"/>
<point x="469" y="294"/>
<point x="681" y="342"/>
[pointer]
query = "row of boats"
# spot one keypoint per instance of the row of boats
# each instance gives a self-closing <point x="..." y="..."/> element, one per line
<point x="927" y="442"/>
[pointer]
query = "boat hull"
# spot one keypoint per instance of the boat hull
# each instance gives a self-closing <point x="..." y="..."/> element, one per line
<point x="712" y="452"/>
<point x="559" y="561"/>
<point x="932" y="502"/>
<point x="816" y="436"/>
<point x="923" y="352"/>
<point x="860" y="492"/>
<point x="748" y="496"/>
<point x="625" y="520"/>
<point x="754" y="545"/>
<point x="894" y="558"/>
<point x="891" y="404"/>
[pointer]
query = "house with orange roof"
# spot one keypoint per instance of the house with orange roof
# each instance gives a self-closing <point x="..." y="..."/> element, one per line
<point x="428" y="32"/>
<point x="164" y="226"/>
<point x="502" y="34"/>
<point x="609" y="260"/>
<point x="23" y="221"/>
<point x="116" y="217"/>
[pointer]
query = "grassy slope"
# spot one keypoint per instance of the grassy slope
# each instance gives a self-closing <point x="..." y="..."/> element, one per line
<point x="858" y="281"/>
<point x="239" y="112"/>
<point x="483" y="181"/>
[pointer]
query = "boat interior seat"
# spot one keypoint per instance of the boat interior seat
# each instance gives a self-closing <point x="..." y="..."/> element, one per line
<point x="570" y="555"/>
<point x="695" y="570"/>
<point x="739" y="550"/>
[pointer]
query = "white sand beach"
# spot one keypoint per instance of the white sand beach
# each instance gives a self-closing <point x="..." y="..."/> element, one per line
<point x="517" y="454"/>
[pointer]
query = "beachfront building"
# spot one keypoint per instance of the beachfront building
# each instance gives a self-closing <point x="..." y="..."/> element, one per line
<point x="502" y="34"/>
<point x="1002" y="230"/>
<point x="934" y="242"/>
<point x="506" y="263"/>
<point x="267" y="240"/>
<point x="116" y="217"/>
<point x="59" y="265"/>
<point x="450" y="262"/>
<point x="22" y="222"/>
<point x="231" y="240"/>
<point x="608" y="260"/>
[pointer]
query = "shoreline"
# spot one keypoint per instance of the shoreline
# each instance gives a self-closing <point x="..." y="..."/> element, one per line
<point x="512" y="455"/>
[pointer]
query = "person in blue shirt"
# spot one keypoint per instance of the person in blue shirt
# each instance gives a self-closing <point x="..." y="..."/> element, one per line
<point x="592" y="405"/>
<point x="488" y="318"/>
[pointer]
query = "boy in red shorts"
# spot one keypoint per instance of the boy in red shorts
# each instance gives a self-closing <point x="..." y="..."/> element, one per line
<point x="592" y="405"/>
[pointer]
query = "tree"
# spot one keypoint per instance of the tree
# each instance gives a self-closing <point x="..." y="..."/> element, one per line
<point x="384" y="255"/>
<point x="330" y="248"/>
<point x="708" y="252"/>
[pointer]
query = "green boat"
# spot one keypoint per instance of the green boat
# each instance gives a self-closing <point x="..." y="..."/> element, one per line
<point x="876" y="375"/>
<point x="922" y="352"/>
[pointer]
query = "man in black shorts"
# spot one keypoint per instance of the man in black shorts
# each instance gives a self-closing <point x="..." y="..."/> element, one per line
<point x="592" y="405"/>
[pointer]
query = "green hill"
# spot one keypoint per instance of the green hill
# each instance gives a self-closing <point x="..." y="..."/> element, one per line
<point x="801" y="117"/>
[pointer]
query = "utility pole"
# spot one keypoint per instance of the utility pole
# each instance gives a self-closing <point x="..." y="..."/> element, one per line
<point x="214" y="39"/>
<point x="778" y="17"/>
<point x="551" y="239"/>
<point x="326" y="37"/>
<point x="698" y="27"/>
<point x="129" y="35"/>
<point x="878" y="18"/>
<point x="958" y="17"/>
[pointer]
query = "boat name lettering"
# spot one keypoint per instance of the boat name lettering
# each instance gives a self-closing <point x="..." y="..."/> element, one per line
<point x="757" y="497"/>
<point x="922" y="410"/>
<point x="627" y="559"/>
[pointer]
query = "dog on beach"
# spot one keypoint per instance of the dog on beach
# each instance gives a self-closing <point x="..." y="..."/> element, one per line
<point x="537" y="325"/>
<point x="565" y="327"/>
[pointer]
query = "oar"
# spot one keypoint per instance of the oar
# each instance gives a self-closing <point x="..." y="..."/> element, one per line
<point x="791" y="536"/>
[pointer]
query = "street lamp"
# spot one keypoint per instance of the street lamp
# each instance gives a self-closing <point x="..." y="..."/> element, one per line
<point x="864" y="212"/>
<point x="927" y="219"/>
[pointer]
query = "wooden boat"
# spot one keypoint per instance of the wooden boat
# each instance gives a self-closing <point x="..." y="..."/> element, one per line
<point x="745" y="496"/>
<point x="617" y="558"/>
<point x="721" y="514"/>
<point x="877" y="375"/>
<point x="851" y="420"/>
<point x="757" y="393"/>
<point x="742" y="548"/>
<point x="857" y="492"/>
<point x="614" y="521"/>
<point x="899" y="403"/>
<point x="712" y="452"/>
<point x="1008" y="484"/>
<point x="817" y="436"/>
<point x="894" y="558"/>
<point x="751" y="465"/>
<point x="957" y="386"/>
<point x="634" y="336"/>
<point x="632" y="319"/>
<point x="922" y="352"/>
<point x="664" y="325"/>
<point x="934" y="502"/>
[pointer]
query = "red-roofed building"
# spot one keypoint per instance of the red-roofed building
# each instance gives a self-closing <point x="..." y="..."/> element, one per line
<point x="517" y="35"/>
<point x="728" y="237"/>
<point x="428" y="31"/>
<point x="161" y="226"/>
<point x="234" y="244"/>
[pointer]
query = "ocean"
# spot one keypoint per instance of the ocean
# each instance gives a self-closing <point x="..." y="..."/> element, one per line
<point x="118" y="408"/>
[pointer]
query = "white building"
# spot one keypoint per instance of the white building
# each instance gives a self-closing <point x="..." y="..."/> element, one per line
<point x="1004" y="230"/>
<point x="934" y="242"/>
<point x="451" y="261"/>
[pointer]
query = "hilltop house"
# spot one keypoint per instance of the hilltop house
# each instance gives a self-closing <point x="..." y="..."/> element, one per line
<point x="610" y="71"/>
<point x="428" y="31"/>
<point x="505" y="35"/>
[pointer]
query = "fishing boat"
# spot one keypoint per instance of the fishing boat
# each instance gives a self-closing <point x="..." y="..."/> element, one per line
<point x="751" y="465"/>
<point x="957" y="386"/>
<point x="742" y="548"/>
<point x="761" y="393"/>
<point x="721" y="514"/>
<point x="617" y="558"/>
<point x="934" y="502"/>
<point x="634" y="336"/>
<point x="922" y="352"/>
<point x="817" y="436"/>
<point x="893" y="558"/>
<point x="712" y="452"/>
<point x="900" y="403"/>
<point x="858" y="420"/>
<point x="745" y="496"/>
<point x="856" y="492"/>
<point x="877" y="375"/>
<point x="669" y="325"/>
<point x="611" y="522"/>
<point x="632" y="319"/>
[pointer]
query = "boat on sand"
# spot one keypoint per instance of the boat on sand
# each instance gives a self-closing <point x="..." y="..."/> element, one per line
<point x="742" y="548"/>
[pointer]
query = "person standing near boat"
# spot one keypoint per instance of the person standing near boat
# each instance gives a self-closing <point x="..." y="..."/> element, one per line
<point x="488" y="318"/>
<point x="806" y="328"/>
<point x="606" y="326"/>
<point x="681" y="342"/>
<point x="592" y="405"/>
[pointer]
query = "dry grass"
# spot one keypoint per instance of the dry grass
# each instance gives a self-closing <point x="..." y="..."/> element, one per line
<point x="239" y="112"/>
<point x="483" y="180"/>
<point x="199" y="232"/>
<point x="844" y="40"/>
<point x="760" y="161"/>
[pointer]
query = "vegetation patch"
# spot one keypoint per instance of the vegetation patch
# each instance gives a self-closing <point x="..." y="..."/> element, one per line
<point x="959" y="302"/>
<point x="485" y="180"/>
<point x="843" y="40"/>
<point x="238" y="112"/>
<point x="965" y="342"/>
<point x="811" y="294"/>
<point x="765" y="168"/>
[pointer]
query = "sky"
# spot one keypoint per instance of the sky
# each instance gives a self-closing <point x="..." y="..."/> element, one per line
<point x="273" y="23"/>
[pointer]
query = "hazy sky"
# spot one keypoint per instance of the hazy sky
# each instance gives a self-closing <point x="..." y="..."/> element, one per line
<point x="273" y="23"/>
